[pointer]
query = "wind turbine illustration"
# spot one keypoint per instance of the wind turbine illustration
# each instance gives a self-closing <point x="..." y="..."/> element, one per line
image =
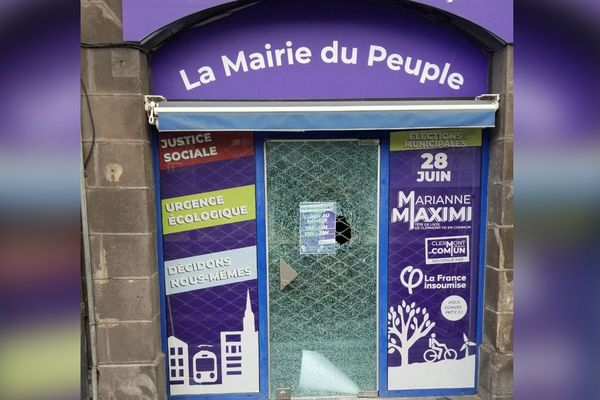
<point x="466" y="345"/>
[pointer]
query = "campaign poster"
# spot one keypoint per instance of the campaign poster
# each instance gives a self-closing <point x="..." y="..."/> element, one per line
<point x="317" y="228"/>
<point x="434" y="217"/>
<point x="208" y="212"/>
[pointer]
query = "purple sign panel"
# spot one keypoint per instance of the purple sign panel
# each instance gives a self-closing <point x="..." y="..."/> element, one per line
<point x="433" y="258"/>
<point x="142" y="17"/>
<point x="210" y="274"/>
<point x="293" y="50"/>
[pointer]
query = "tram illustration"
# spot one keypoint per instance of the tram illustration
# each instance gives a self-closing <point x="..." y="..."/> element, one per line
<point x="205" y="366"/>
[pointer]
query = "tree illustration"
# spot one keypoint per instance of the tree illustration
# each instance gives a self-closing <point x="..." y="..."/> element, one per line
<point x="405" y="327"/>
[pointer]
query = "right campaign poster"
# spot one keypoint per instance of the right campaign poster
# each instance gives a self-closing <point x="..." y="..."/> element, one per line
<point x="434" y="217"/>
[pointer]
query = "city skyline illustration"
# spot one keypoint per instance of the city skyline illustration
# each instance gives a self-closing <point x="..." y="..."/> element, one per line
<point x="200" y="374"/>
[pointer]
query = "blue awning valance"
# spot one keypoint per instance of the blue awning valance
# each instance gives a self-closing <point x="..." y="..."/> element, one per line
<point x="171" y="116"/>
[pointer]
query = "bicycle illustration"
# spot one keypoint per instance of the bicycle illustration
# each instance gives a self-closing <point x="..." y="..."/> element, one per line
<point x="438" y="351"/>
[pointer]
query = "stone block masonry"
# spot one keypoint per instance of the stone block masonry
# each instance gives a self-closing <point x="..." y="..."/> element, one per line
<point x="120" y="206"/>
<point x="496" y="355"/>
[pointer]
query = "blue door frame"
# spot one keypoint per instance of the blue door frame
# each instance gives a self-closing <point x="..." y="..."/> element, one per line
<point x="383" y="137"/>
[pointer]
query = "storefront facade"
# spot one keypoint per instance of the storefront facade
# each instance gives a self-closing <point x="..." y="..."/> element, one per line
<point x="330" y="181"/>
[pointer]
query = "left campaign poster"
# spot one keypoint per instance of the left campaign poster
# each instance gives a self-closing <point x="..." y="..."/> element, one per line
<point x="208" y="219"/>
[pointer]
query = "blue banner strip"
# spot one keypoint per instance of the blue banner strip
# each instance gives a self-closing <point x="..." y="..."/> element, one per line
<point x="314" y="120"/>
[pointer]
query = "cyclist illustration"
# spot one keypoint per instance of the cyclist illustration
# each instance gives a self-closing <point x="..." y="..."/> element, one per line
<point x="438" y="351"/>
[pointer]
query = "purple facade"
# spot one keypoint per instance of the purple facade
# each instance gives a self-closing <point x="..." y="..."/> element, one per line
<point x="342" y="50"/>
<point x="381" y="52"/>
<point x="143" y="17"/>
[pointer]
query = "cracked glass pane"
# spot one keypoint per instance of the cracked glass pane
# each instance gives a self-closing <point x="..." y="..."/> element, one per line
<point x="323" y="323"/>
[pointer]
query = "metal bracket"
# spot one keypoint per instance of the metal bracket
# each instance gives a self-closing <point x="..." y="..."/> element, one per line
<point x="369" y="394"/>
<point x="489" y="96"/>
<point x="368" y="142"/>
<point x="284" y="394"/>
<point x="150" y="104"/>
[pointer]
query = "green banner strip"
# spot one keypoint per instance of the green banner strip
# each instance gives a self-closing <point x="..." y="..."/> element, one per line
<point x="203" y="210"/>
<point x="435" y="139"/>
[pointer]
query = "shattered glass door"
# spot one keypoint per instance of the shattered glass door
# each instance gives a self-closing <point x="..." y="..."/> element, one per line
<point x="322" y="199"/>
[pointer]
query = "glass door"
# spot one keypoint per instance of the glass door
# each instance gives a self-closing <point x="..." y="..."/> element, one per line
<point x="322" y="230"/>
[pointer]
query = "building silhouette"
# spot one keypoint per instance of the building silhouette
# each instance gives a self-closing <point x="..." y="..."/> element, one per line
<point x="239" y="352"/>
<point x="179" y="371"/>
<point x="239" y="361"/>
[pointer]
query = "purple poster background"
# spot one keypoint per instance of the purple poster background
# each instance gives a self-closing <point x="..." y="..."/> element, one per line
<point x="309" y="24"/>
<point x="199" y="316"/>
<point x="142" y="17"/>
<point x="407" y="249"/>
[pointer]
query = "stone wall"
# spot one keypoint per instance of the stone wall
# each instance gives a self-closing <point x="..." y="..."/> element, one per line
<point x="496" y="356"/>
<point x="121" y="209"/>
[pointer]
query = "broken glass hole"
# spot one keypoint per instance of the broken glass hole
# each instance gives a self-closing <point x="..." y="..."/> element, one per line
<point x="343" y="232"/>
